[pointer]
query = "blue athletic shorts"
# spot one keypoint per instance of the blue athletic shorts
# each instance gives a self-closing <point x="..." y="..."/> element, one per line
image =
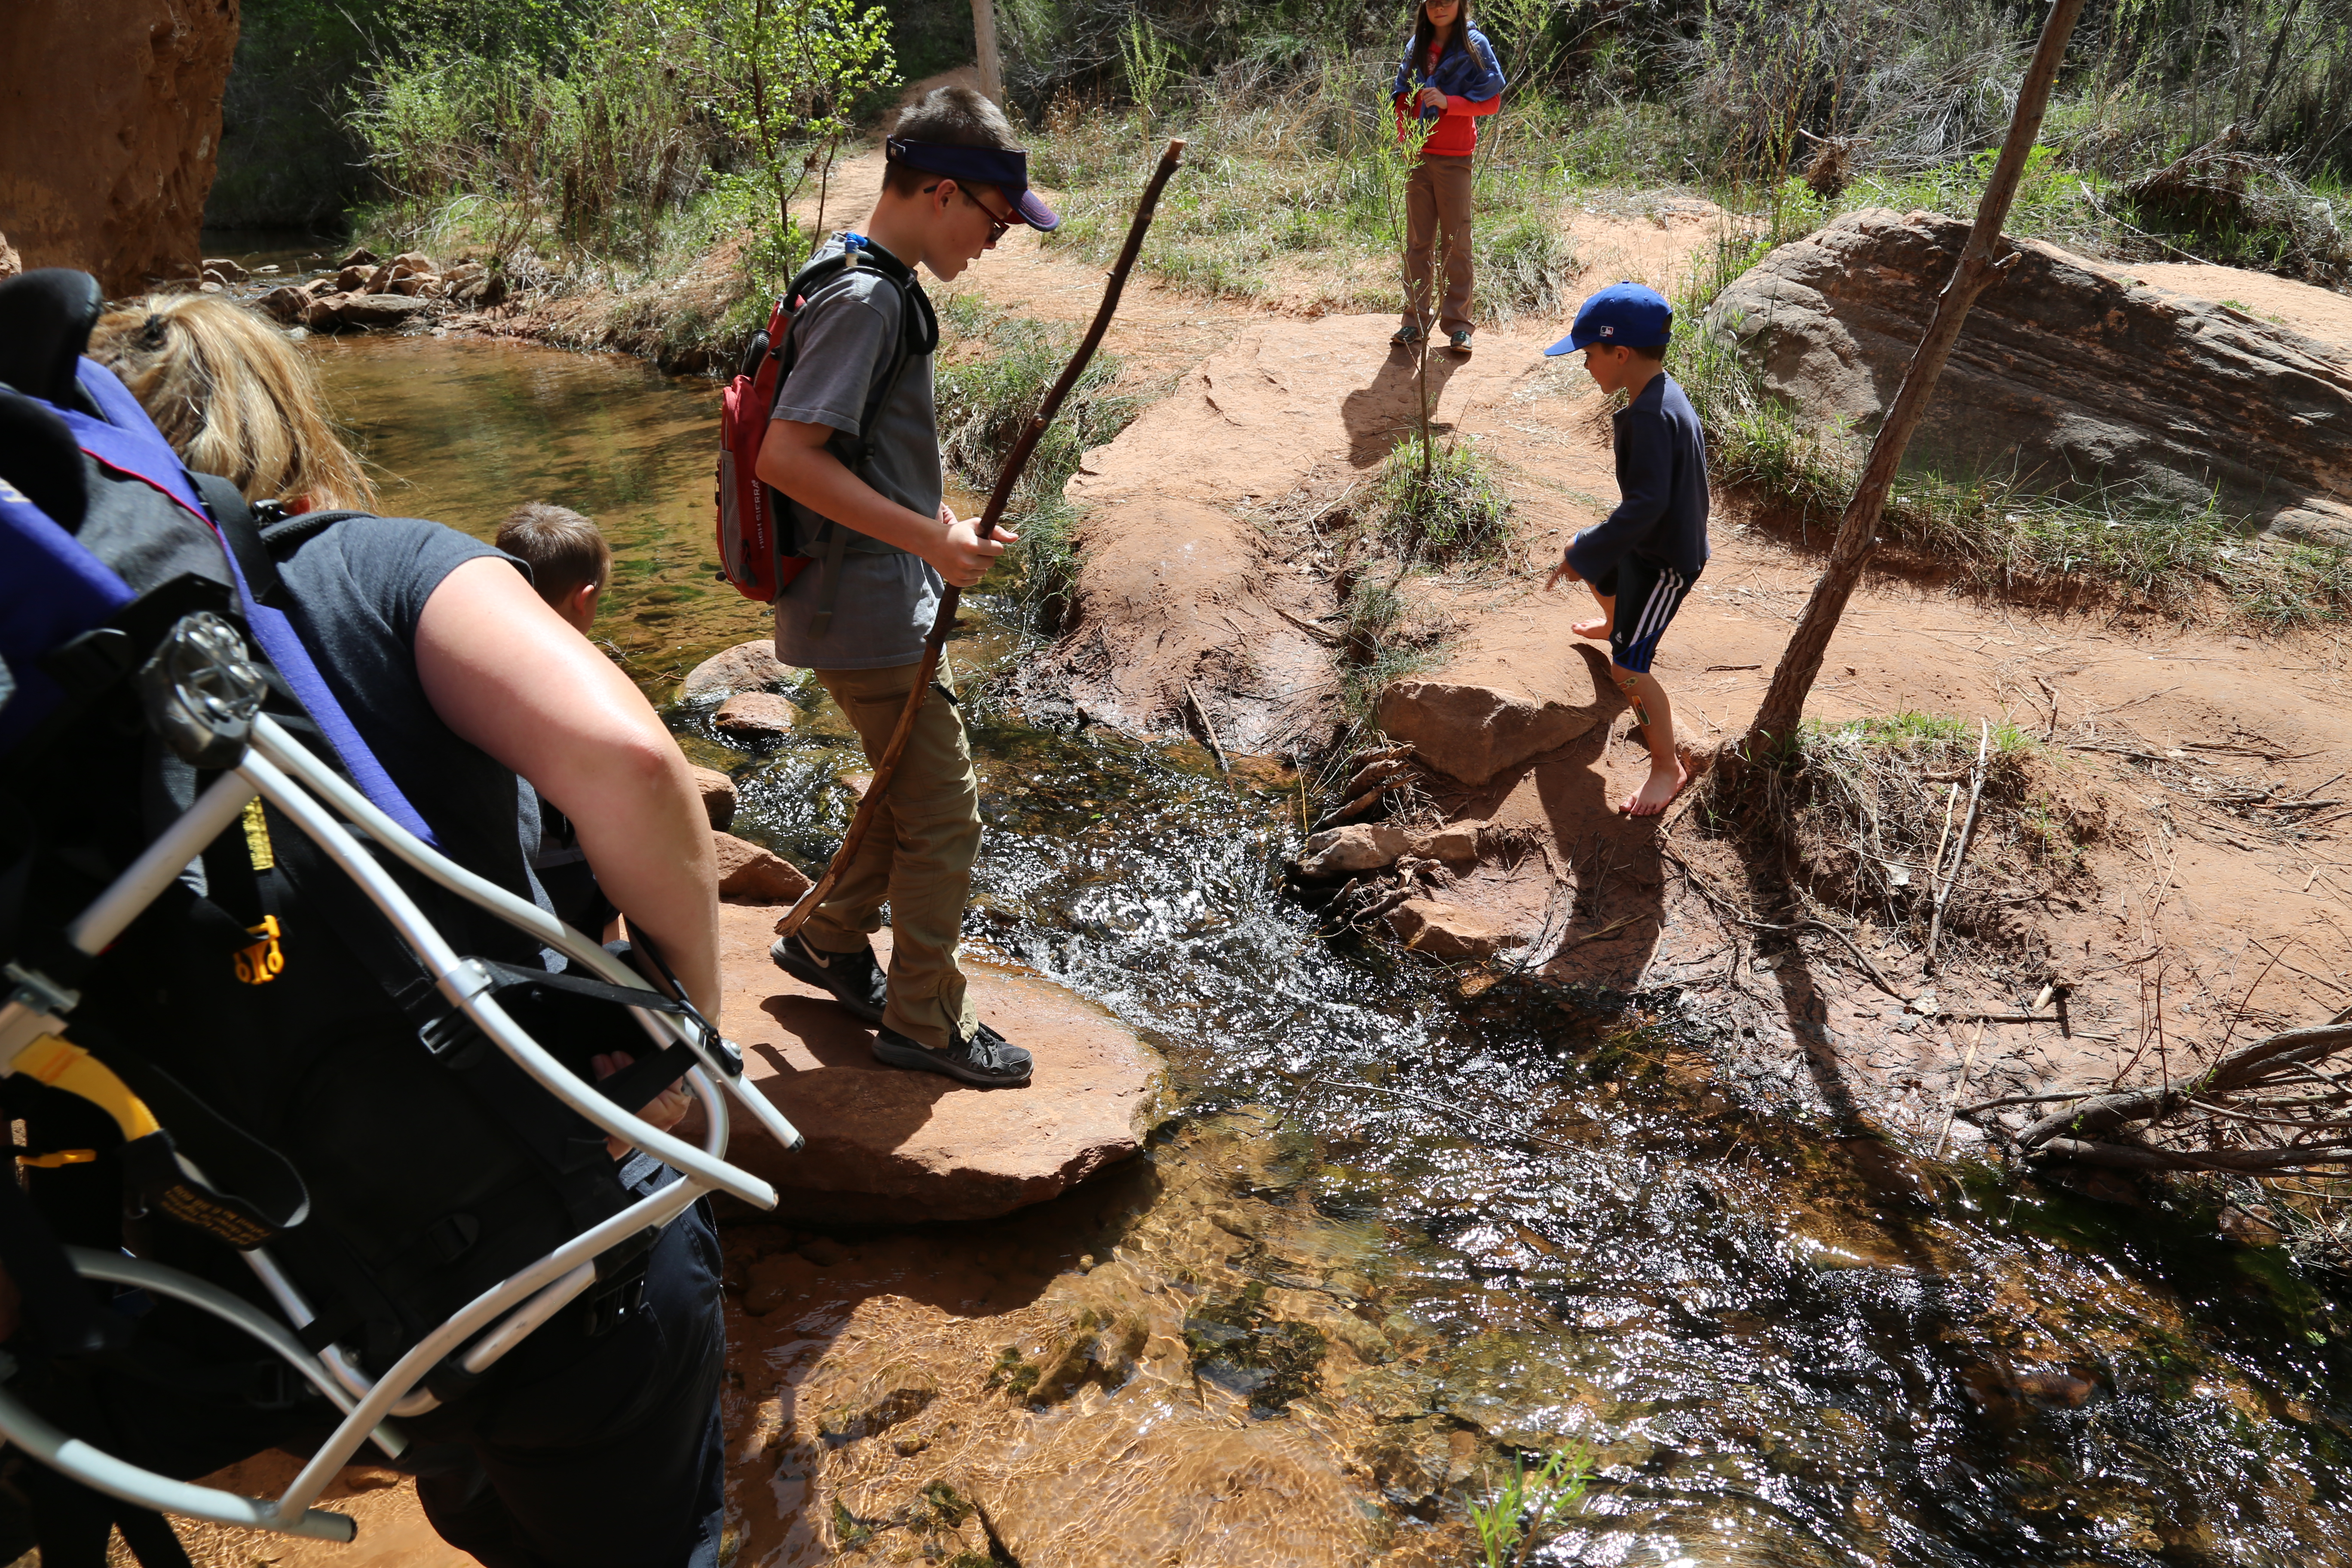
<point x="1647" y="593"/>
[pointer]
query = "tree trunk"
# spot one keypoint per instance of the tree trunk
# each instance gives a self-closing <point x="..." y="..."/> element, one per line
<point x="992" y="64"/>
<point x="1801" y="662"/>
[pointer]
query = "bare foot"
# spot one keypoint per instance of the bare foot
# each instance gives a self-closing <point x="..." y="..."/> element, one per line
<point x="1657" y="790"/>
<point x="1598" y="630"/>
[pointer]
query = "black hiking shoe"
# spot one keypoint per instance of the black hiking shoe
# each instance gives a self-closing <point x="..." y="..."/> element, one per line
<point x="1459" y="342"/>
<point x="1404" y="337"/>
<point x="855" y="980"/>
<point x="984" y="1059"/>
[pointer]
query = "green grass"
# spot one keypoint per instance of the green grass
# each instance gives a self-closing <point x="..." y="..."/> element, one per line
<point x="1295" y="190"/>
<point x="1520" y="1508"/>
<point x="1909" y="730"/>
<point x="995" y="372"/>
<point x="1450" y="515"/>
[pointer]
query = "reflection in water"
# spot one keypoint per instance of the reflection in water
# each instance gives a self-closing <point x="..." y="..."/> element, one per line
<point x="1785" y="1345"/>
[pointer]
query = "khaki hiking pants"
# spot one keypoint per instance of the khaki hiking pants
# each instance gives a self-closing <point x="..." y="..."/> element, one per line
<point x="917" y="854"/>
<point x="1437" y="212"/>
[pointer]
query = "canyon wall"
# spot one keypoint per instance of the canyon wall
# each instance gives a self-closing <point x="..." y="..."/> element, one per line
<point x="111" y="119"/>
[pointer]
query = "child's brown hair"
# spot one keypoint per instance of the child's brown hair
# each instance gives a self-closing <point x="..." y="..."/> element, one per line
<point x="950" y="116"/>
<point x="564" y="549"/>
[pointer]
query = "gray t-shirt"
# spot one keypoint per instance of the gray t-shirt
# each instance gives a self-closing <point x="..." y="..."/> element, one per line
<point x="886" y="598"/>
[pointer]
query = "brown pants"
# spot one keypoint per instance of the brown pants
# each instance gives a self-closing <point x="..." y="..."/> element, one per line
<point x="1437" y="208"/>
<point x="917" y="854"/>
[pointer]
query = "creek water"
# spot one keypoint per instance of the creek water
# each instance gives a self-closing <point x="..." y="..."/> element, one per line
<point x="1783" y="1342"/>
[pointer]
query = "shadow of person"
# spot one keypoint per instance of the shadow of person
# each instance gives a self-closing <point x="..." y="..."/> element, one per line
<point x="1378" y="413"/>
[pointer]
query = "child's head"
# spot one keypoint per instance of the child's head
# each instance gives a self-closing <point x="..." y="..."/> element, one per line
<point x="569" y="561"/>
<point x="1623" y="332"/>
<point x="954" y="182"/>
<point x="1439" y="19"/>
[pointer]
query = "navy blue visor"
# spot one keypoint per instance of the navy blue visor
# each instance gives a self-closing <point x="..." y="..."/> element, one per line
<point x="1005" y="168"/>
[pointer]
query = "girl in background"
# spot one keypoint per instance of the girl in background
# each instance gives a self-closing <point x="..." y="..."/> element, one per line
<point x="1449" y="76"/>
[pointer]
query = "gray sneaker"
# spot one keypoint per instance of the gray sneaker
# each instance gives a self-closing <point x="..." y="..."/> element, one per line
<point x="983" y="1058"/>
<point x="855" y="980"/>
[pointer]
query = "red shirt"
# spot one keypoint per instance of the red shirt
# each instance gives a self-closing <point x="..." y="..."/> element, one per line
<point x="1455" y="135"/>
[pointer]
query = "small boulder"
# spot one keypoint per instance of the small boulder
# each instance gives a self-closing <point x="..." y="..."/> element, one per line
<point x="718" y="792"/>
<point x="364" y="313"/>
<point x="352" y="279"/>
<point x="412" y="261"/>
<point x="378" y="280"/>
<point x="1359" y="846"/>
<point x="750" y="874"/>
<point x="464" y="273"/>
<point x="746" y="667"/>
<point x="1456" y="844"/>
<point x="361" y="256"/>
<point x="287" y="303"/>
<point x="226" y="270"/>
<point x="755" y="716"/>
<point x="1474" y="732"/>
<point x="480" y="292"/>
<point x="422" y="285"/>
<point x="1449" y="932"/>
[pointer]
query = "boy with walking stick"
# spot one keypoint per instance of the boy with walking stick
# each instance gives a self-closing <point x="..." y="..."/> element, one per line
<point x="853" y="449"/>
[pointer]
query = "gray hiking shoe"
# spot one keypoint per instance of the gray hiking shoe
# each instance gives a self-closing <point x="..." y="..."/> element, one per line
<point x="1459" y="341"/>
<point x="855" y="980"/>
<point x="983" y="1058"/>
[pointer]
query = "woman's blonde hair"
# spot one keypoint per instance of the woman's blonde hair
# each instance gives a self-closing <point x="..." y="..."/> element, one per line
<point x="233" y="397"/>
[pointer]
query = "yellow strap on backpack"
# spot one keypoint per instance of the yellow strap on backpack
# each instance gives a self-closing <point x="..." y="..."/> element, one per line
<point x="63" y="1064"/>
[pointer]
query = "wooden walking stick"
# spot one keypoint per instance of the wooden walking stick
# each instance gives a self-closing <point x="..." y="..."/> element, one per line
<point x="888" y="762"/>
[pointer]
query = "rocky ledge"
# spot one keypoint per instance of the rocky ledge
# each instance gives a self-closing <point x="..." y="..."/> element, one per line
<point x="891" y="1146"/>
<point x="366" y="294"/>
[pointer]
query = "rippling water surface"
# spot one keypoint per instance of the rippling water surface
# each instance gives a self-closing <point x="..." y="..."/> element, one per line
<point x="1784" y="1343"/>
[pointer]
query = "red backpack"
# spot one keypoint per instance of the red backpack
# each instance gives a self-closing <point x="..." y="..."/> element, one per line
<point x="757" y="550"/>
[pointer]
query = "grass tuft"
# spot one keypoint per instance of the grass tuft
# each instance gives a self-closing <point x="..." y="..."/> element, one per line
<point x="988" y="386"/>
<point x="1450" y="513"/>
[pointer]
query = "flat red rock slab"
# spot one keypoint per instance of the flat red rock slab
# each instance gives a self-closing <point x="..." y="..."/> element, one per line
<point x="889" y="1145"/>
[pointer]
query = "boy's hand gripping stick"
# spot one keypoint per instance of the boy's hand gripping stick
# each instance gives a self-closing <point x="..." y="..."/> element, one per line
<point x="888" y="762"/>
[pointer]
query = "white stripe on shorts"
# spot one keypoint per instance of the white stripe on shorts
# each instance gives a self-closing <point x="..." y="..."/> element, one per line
<point x="1663" y="597"/>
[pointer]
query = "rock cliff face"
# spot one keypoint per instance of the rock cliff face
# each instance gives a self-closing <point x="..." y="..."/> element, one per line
<point x="111" y="112"/>
<point x="2066" y="375"/>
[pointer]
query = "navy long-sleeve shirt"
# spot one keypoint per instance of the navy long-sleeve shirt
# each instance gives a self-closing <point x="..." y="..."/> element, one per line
<point x="1662" y="481"/>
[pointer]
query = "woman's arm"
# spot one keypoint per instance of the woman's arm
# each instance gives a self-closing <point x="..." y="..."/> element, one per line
<point x="506" y="674"/>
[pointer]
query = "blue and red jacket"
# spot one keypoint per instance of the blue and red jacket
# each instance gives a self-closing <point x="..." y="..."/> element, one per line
<point x="1469" y="76"/>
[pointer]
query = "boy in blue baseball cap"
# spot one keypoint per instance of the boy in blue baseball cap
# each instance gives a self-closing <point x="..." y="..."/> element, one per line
<point x="1643" y="558"/>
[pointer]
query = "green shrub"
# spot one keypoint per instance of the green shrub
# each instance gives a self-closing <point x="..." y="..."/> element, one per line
<point x="1440" y="509"/>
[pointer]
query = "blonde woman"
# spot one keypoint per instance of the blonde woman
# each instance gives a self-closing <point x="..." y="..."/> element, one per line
<point x="233" y="397"/>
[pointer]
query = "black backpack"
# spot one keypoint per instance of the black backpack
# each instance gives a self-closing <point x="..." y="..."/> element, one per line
<point x="314" y="1091"/>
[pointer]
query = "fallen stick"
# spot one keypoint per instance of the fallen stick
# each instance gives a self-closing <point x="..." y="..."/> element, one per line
<point x="886" y="763"/>
<point x="1201" y="712"/>
<point x="1967" y="1068"/>
<point x="1960" y="852"/>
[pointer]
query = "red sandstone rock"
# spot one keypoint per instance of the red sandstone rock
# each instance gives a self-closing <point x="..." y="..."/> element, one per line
<point x="1448" y="931"/>
<point x="885" y="1144"/>
<point x="755" y="716"/>
<point x="1471" y="733"/>
<point x="748" y="872"/>
<point x="746" y="667"/>
<point x="112" y="118"/>
<point x="718" y="792"/>
<point x="1359" y="846"/>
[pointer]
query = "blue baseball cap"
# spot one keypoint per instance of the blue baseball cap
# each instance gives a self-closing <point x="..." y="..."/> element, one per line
<point x="1623" y="314"/>
<point x="1007" y="168"/>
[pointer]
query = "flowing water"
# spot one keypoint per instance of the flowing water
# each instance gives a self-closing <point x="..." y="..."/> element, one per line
<point x="1783" y="1342"/>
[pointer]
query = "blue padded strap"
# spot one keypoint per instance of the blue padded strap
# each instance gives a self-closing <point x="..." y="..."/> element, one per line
<point x="131" y="445"/>
<point x="51" y="591"/>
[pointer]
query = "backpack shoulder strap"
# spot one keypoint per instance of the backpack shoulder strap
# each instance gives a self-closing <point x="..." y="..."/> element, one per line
<point x="240" y="530"/>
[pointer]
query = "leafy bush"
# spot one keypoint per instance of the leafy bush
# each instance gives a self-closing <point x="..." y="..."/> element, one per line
<point x="1440" y="507"/>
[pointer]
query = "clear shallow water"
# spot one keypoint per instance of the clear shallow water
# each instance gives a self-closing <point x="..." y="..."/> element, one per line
<point x="1784" y="1345"/>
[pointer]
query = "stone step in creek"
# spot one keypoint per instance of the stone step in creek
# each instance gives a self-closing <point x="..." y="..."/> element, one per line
<point x="885" y="1145"/>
